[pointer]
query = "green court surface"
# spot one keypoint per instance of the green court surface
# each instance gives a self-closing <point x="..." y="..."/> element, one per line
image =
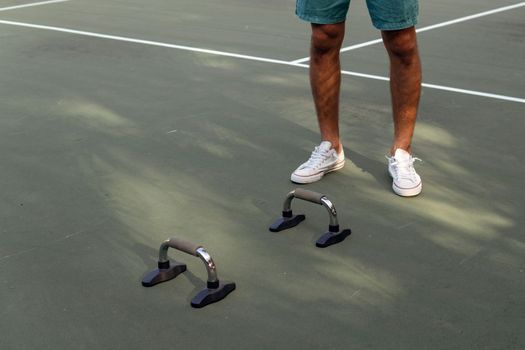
<point x="118" y="131"/>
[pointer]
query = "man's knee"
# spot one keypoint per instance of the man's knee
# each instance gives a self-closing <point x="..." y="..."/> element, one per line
<point x="327" y="37"/>
<point x="401" y="44"/>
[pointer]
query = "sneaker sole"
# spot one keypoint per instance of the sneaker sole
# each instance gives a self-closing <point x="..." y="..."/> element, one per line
<point x="406" y="192"/>
<point x="315" y="177"/>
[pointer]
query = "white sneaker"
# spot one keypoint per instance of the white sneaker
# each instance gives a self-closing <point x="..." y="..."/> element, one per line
<point x="324" y="159"/>
<point x="406" y="182"/>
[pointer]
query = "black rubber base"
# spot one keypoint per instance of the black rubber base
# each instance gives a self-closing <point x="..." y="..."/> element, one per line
<point x="162" y="275"/>
<point x="330" y="238"/>
<point x="208" y="296"/>
<point x="284" y="223"/>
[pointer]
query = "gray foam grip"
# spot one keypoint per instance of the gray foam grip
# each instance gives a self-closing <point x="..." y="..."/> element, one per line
<point x="184" y="246"/>
<point x="309" y="196"/>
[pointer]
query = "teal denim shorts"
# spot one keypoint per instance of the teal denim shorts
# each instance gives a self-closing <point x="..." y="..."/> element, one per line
<point x="385" y="14"/>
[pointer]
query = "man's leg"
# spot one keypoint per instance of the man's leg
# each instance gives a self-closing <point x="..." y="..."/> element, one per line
<point x="405" y="84"/>
<point x="405" y="88"/>
<point x="325" y="78"/>
<point x="325" y="81"/>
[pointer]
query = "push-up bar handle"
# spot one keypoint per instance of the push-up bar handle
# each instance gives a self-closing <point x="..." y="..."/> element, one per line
<point x="183" y="246"/>
<point x="309" y="196"/>
<point x="314" y="197"/>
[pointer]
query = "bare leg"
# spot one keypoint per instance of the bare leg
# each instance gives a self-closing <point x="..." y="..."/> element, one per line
<point x="325" y="78"/>
<point x="405" y="84"/>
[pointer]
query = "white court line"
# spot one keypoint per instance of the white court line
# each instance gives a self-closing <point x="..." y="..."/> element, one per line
<point x="32" y="4"/>
<point x="424" y="29"/>
<point x="432" y="86"/>
<point x="246" y="57"/>
<point x="145" y="42"/>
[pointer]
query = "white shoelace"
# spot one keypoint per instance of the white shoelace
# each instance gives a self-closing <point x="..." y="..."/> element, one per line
<point x="404" y="169"/>
<point x="317" y="158"/>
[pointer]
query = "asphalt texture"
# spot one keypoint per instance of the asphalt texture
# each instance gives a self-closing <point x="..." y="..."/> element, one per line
<point x="110" y="147"/>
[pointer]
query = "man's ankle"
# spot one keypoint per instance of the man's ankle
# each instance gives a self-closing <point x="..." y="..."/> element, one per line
<point x="404" y="148"/>
<point x="339" y="148"/>
<point x="336" y="145"/>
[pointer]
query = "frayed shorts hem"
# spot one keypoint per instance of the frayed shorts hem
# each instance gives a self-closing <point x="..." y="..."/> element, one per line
<point x="395" y="26"/>
<point x="319" y="20"/>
